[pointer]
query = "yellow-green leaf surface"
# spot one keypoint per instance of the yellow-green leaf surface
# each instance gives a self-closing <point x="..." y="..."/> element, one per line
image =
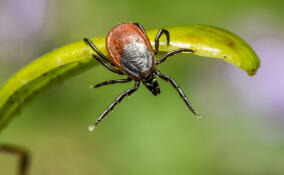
<point x="73" y="58"/>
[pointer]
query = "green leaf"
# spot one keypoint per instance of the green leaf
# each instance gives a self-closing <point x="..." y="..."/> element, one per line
<point x="64" y="62"/>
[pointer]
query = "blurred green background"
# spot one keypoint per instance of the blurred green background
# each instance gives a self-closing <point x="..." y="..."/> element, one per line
<point x="241" y="131"/>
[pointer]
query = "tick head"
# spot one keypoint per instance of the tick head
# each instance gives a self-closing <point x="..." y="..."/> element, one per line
<point x="151" y="83"/>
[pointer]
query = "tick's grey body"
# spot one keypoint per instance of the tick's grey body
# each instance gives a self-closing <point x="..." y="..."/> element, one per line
<point x="137" y="60"/>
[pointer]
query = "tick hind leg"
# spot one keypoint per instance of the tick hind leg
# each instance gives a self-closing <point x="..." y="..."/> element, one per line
<point x="22" y="153"/>
<point x="111" y="82"/>
<point x="173" y="52"/>
<point x="106" y="65"/>
<point x="176" y="86"/>
<point x="157" y="39"/>
<point x="115" y="102"/>
<point x="91" y="44"/>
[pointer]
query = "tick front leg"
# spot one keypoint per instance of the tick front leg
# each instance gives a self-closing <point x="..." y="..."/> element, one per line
<point x="106" y="65"/>
<point x="157" y="39"/>
<point x="173" y="52"/>
<point x="113" y="104"/>
<point x="182" y="95"/>
<point x="111" y="82"/>
<point x="91" y="44"/>
<point x="22" y="153"/>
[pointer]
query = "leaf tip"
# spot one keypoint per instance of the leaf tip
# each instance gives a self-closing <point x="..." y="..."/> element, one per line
<point x="253" y="71"/>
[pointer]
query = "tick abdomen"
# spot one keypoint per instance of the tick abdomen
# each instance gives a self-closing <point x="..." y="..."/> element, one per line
<point x="137" y="60"/>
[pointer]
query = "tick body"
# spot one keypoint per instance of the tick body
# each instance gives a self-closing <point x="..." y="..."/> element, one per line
<point x="132" y="55"/>
<point x="130" y="50"/>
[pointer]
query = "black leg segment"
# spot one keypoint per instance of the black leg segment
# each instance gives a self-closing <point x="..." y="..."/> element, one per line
<point x="106" y="65"/>
<point x="91" y="44"/>
<point x="173" y="52"/>
<point x="111" y="82"/>
<point x="157" y="39"/>
<point x="176" y="86"/>
<point x="22" y="153"/>
<point x="128" y="92"/>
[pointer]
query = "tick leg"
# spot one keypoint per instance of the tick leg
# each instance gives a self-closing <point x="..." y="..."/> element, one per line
<point x="91" y="44"/>
<point x="176" y="86"/>
<point x="157" y="39"/>
<point x="173" y="52"/>
<point x="111" y="82"/>
<point x="115" y="102"/>
<point x="22" y="153"/>
<point x="106" y="65"/>
<point x="140" y="26"/>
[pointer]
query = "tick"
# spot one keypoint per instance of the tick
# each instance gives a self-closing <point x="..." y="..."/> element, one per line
<point x="131" y="54"/>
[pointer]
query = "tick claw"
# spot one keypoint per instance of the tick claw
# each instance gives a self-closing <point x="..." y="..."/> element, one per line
<point x="91" y="128"/>
<point x="198" y="116"/>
